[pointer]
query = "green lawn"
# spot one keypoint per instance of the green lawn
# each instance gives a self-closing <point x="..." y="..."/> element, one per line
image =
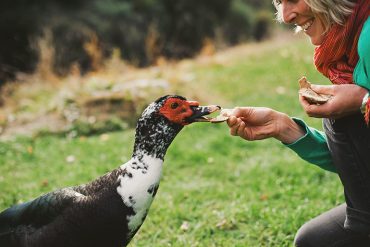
<point x="227" y="191"/>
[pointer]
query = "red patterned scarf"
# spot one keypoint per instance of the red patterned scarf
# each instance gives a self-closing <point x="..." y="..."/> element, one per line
<point x="337" y="56"/>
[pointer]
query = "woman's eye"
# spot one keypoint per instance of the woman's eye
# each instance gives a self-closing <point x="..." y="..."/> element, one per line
<point x="174" y="105"/>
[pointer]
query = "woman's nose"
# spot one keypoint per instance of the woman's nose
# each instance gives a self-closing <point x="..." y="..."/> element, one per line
<point x="288" y="12"/>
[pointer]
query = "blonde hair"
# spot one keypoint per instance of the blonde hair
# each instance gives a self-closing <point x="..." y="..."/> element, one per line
<point x="330" y="11"/>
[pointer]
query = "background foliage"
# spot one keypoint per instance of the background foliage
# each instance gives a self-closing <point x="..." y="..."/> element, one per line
<point x="82" y="33"/>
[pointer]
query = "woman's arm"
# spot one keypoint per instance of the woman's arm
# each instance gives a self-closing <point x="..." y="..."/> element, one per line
<point x="256" y="123"/>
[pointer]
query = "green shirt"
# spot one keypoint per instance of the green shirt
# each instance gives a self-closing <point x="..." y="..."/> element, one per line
<point x="313" y="147"/>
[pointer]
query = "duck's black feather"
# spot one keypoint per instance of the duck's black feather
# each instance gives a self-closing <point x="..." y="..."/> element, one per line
<point x="86" y="215"/>
<point x="35" y="214"/>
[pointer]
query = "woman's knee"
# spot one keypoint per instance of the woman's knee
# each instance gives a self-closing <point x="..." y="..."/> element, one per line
<point x="324" y="230"/>
<point x="304" y="236"/>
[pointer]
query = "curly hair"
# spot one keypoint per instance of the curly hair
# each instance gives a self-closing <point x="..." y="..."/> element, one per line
<point x="330" y="11"/>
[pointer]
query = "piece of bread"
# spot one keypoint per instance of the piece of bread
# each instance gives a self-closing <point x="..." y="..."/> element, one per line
<point x="311" y="96"/>
<point x="222" y="117"/>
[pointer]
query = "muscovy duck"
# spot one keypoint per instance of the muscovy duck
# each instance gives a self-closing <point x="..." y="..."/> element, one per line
<point x="109" y="210"/>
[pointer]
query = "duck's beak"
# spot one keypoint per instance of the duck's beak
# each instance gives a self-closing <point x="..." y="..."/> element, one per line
<point x="200" y="113"/>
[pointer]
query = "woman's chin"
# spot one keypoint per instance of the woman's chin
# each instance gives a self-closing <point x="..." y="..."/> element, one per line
<point x="317" y="40"/>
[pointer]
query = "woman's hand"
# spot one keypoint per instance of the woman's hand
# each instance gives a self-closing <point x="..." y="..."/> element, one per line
<point x="347" y="99"/>
<point x="256" y="123"/>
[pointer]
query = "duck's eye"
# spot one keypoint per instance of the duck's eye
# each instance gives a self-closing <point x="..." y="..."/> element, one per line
<point x="174" y="105"/>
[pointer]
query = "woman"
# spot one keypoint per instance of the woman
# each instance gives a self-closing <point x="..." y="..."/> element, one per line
<point x="340" y="30"/>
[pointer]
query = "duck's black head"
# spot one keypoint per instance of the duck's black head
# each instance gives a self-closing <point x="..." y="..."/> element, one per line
<point x="163" y="119"/>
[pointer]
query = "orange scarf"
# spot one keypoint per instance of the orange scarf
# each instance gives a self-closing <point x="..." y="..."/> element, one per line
<point x="337" y="56"/>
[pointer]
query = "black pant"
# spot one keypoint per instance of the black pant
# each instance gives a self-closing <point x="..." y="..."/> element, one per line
<point x="349" y="224"/>
<point x="327" y="230"/>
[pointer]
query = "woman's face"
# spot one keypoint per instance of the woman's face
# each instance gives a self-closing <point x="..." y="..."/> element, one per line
<point x="299" y="13"/>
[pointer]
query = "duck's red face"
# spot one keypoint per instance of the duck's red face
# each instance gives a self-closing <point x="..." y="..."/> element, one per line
<point x="184" y="112"/>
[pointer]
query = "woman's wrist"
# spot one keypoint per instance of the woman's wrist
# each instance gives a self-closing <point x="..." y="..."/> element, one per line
<point x="365" y="108"/>
<point x="287" y="130"/>
<point x="364" y="101"/>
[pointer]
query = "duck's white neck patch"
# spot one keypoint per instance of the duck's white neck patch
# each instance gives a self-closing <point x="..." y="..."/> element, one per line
<point x="149" y="110"/>
<point x="137" y="184"/>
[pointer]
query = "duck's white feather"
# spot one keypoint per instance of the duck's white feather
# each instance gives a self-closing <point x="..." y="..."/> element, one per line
<point x="136" y="188"/>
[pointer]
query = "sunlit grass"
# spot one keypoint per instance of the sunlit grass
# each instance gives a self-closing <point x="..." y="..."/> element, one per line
<point x="224" y="191"/>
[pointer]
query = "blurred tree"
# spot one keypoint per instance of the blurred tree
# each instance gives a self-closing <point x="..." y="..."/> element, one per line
<point x="142" y="29"/>
<point x="262" y="27"/>
<point x="188" y="22"/>
<point x="238" y="24"/>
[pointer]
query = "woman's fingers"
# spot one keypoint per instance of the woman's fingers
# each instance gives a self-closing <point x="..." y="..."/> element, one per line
<point x="234" y="128"/>
<point x="346" y="99"/>
<point x="231" y="121"/>
<point x="323" y="89"/>
<point x="241" y="129"/>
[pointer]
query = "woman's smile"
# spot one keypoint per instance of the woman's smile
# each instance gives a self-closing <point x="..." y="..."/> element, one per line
<point x="314" y="28"/>
<point x="299" y="13"/>
<point x="306" y="25"/>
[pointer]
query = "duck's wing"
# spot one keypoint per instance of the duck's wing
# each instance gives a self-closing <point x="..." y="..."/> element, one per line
<point x="36" y="213"/>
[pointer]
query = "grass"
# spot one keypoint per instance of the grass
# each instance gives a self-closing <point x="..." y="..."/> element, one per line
<point x="216" y="190"/>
